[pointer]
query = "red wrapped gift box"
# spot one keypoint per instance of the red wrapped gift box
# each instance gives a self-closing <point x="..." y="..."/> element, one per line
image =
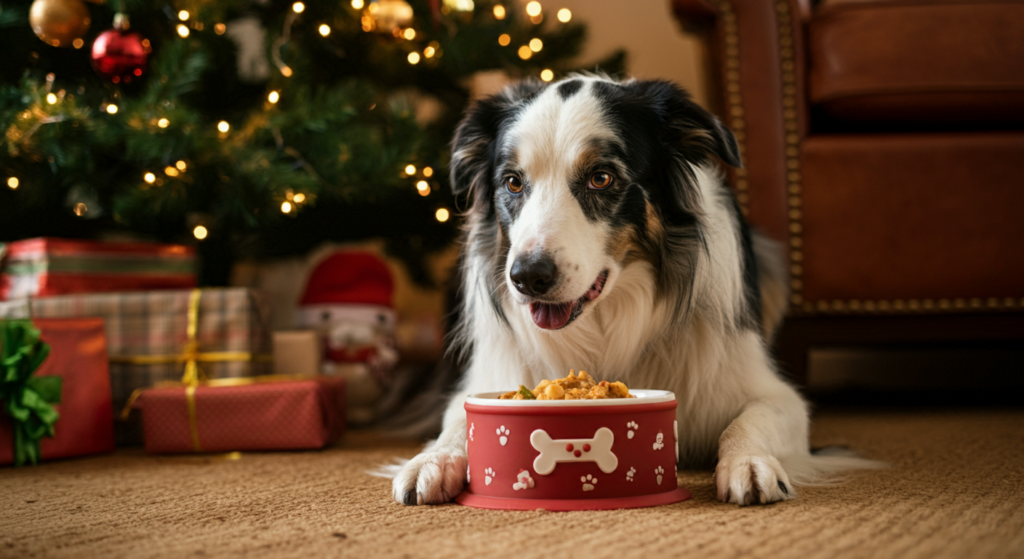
<point x="78" y="354"/>
<point x="261" y="413"/>
<point x="45" y="267"/>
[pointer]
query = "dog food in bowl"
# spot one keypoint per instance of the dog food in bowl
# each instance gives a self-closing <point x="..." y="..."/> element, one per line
<point x="572" y="387"/>
<point x="571" y="454"/>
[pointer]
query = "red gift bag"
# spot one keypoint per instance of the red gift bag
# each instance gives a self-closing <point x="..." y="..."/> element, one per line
<point x="78" y="354"/>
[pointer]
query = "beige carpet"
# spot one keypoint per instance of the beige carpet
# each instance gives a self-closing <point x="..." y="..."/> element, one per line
<point x="956" y="490"/>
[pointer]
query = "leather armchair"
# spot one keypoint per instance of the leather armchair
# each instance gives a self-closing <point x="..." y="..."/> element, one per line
<point x="883" y="144"/>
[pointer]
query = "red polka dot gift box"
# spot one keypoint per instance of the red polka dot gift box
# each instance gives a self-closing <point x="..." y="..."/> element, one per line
<point x="260" y="413"/>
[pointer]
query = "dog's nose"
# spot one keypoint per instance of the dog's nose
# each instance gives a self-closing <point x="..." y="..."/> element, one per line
<point x="533" y="274"/>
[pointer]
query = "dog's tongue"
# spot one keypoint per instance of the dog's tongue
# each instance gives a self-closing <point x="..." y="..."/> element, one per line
<point x="550" y="317"/>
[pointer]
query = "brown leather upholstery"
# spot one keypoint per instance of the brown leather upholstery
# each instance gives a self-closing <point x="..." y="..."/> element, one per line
<point x="937" y="62"/>
<point x="913" y="216"/>
<point x="887" y="154"/>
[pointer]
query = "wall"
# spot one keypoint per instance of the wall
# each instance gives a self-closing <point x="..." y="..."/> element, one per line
<point x="647" y="29"/>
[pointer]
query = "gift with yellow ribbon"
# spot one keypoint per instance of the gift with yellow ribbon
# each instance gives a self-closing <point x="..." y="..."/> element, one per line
<point x="45" y="364"/>
<point x="160" y="336"/>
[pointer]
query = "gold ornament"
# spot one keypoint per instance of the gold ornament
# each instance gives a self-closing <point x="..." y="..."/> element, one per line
<point x="391" y="14"/>
<point x="59" y="22"/>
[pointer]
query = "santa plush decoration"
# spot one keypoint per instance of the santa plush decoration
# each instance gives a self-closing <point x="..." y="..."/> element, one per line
<point x="348" y="302"/>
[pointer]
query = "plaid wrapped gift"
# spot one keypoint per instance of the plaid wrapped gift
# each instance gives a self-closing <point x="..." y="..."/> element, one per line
<point x="150" y="337"/>
<point x="46" y="266"/>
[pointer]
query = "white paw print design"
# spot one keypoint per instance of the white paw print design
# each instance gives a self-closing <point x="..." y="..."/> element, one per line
<point x="630" y="473"/>
<point x="502" y="435"/>
<point x="588" y="482"/>
<point x="488" y="476"/>
<point x="659" y="470"/>
<point x="632" y="427"/>
<point x="472" y="426"/>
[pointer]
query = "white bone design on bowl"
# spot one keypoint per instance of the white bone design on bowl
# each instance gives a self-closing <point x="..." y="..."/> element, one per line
<point x="552" y="451"/>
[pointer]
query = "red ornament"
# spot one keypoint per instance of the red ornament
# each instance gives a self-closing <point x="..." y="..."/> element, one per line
<point x="120" y="55"/>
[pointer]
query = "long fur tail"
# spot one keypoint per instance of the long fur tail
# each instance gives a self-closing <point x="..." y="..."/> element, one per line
<point x="826" y="466"/>
<point x="774" y="281"/>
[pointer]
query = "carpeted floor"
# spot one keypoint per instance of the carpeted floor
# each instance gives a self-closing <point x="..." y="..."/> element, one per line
<point x="956" y="489"/>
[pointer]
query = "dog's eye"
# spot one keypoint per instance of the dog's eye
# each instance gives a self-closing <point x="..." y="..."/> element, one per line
<point x="514" y="184"/>
<point x="599" y="181"/>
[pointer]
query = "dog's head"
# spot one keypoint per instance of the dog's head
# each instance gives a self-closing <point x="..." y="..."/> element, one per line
<point x="582" y="178"/>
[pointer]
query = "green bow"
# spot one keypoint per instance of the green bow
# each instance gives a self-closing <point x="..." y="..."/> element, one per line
<point x="27" y="398"/>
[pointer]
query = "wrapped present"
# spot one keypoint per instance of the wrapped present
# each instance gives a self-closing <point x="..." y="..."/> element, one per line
<point x="55" y="390"/>
<point x="44" y="267"/>
<point x="262" y="413"/>
<point x="297" y="352"/>
<point x="155" y="336"/>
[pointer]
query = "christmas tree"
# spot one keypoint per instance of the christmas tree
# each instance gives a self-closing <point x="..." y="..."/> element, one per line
<point x="142" y="118"/>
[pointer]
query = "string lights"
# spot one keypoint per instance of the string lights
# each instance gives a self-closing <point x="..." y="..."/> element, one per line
<point x="273" y="97"/>
<point x="13" y="183"/>
<point x="163" y="123"/>
<point x="428" y="172"/>
<point x="410" y="169"/>
<point x="182" y="31"/>
<point x="223" y="126"/>
<point x="150" y="178"/>
<point x="112" y="109"/>
<point x="547" y="75"/>
<point x="499" y="11"/>
<point x="298" y="7"/>
<point x="325" y="30"/>
<point x="525" y="52"/>
<point x="533" y="9"/>
<point x="504" y="39"/>
<point x="200" y="232"/>
<point x="442" y="215"/>
<point x="536" y="45"/>
<point x="414" y="58"/>
<point x="564" y="15"/>
<point x="183" y="15"/>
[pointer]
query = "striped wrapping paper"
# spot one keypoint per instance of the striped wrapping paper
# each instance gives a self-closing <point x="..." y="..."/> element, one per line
<point x="46" y="266"/>
<point x="155" y="323"/>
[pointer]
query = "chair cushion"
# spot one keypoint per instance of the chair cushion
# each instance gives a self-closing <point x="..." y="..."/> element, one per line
<point x="937" y="62"/>
<point x="913" y="216"/>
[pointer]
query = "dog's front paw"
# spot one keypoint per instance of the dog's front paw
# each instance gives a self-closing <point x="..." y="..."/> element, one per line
<point x="749" y="480"/>
<point x="431" y="478"/>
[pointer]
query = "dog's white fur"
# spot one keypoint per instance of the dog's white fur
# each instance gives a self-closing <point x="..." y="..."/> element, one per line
<point x="732" y="403"/>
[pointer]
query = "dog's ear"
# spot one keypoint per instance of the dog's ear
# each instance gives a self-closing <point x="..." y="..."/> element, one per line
<point x="475" y="144"/>
<point x="691" y="129"/>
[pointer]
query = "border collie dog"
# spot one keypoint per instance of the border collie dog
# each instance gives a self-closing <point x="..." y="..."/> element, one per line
<point x="600" y="236"/>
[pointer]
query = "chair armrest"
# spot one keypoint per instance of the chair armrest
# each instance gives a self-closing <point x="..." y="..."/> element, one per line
<point x="757" y="65"/>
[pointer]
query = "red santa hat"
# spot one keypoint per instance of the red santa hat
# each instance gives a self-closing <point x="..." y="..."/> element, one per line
<point x="349" y="278"/>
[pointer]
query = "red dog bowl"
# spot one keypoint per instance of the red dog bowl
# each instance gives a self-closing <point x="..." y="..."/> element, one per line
<point x="572" y="454"/>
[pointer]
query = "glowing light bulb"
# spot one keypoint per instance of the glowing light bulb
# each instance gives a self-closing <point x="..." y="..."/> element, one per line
<point x="51" y="98"/>
<point x="78" y="43"/>
<point x="325" y="29"/>
<point x="273" y="97"/>
<point x="223" y="126"/>
<point x="81" y="209"/>
<point x="422" y="185"/>
<point x="298" y="7"/>
<point x="150" y="178"/>
<point x="536" y="45"/>
<point x="182" y="31"/>
<point x="410" y="169"/>
<point x="442" y="215"/>
<point x="499" y="11"/>
<point x="428" y="172"/>
<point x="564" y="15"/>
<point x="183" y="15"/>
<point x="358" y="4"/>
<point x="286" y="72"/>
<point x="13" y="183"/>
<point x="299" y="198"/>
<point x="112" y="109"/>
<point x="504" y="39"/>
<point x="414" y="58"/>
<point x="525" y="53"/>
<point x="220" y="28"/>
<point x="171" y="171"/>
<point x="200" y="232"/>
<point x="424" y="192"/>
<point x="409" y="34"/>
<point x="181" y="166"/>
<point x="428" y="52"/>
<point x="547" y="75"/>
<point x="533" y="9"/>
<point x="163" y="123"/>
<point x="286" y="207"/>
